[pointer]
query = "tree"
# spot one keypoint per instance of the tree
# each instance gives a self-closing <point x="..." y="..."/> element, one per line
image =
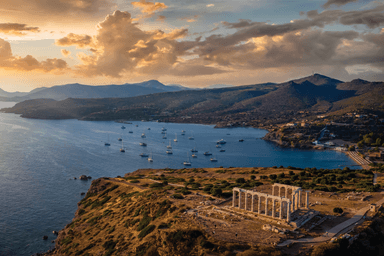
<point x="216" y="192"/>
<point x="253" y="177"/>
<point x="351" y="148"/>
<point x="240" y="180"/>
<point x="378" y="141"/>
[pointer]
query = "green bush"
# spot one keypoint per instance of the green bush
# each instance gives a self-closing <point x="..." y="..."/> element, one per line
<point x="216" y="191"/>
<point x="134" y="181"/>
<point x="337" y="210"/>
<point x="156" y="185"/>
<point x="146" y="231"/>
<point x="177" y="196"/>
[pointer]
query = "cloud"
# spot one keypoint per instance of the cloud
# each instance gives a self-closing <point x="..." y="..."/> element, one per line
<point x="337" y="2"/>
<point x="28" y="63"/>
<point x="191" y="19"/>
<point x="65" y="53"/>
<point x="161" y="18"/>
<point x="17" y="29"/>
<point x="81" y="41"/>
<point x="121" y="48"/>
<point x="210" y="5"/>
<point x="149" y="7"/>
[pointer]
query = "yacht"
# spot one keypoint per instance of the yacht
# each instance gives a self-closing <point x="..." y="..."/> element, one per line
<point x="144" y="155"/>
<point x="222" y="141"/>
<point x="194" y="150"/>
<point x="169" y="151"/>
<point x="194" y="156"/>
<point x="137" y="125"/>
<point x="123" y="127"/>
<point x="107" y="143"/>
<point x="218" y="146"/>
<point x="182" y="132"/>
<point x="120" y="139"/>
<point x="188" y="162"/>
<point x="149" y="128"/>
<point x="165" y="136"/>
<point x="169" y="146"/>
<point x="175" y="140"/>
<point x="122" y="149"/>
<point x="213" y="159"/>
<point x="241" y="140"/>
<point x="143" y="135"/>
<point x="163" y="129"/>
<point x="143" y="144"/>
<point x="150" y="159"/>
<point x="207" y="153"/>
<point x="130" y="131"/>
<point x="222" y="150"/>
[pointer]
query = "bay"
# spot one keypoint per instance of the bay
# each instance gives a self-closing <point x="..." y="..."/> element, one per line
<point x="40" y="158"/>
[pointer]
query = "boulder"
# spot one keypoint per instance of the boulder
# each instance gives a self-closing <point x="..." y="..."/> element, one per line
<point x="83" y="177"/>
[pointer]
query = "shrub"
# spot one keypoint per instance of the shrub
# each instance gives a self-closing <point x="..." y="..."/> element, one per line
<point x="253" y="177"/>
<point x="134" y="181"/>
<point x="240" y="180"/>
<point x="216" y="191"/>
<point x="337" y="210"/>
<point x="144" y="222"/>
<point x="146" y="231"/>
<point x="156" y="185"/>
<point x="177" y="196"/>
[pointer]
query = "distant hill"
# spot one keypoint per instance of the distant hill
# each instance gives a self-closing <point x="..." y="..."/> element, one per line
<point x="11" y="94"/>
<point x="260" y="101"/>
<point x="61" y="92"/>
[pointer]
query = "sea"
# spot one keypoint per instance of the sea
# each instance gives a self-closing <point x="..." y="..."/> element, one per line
<point x="40" y="158"/>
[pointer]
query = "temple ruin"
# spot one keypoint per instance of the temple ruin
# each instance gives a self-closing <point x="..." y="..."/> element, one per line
<point x="287" y="200"/>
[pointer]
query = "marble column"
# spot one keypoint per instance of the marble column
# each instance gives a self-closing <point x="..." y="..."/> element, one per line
<point x="298" y="199"/>
<point x="239" y="200"/>
<point x="259" y="205"/>
<point x="293" y="202"/>
<point x="246" y="199"/>
<point x="306" y="200"/>
<point x="273" y="208"/>
<point x="252" y="203"/>
<point x="281" y="210"/>
<point x="273" y="189"/>
<point x="279" y="190"/>
<point x="289" y="212"/>
<point x="234" y="199"/>
<point x="266" y="206"/>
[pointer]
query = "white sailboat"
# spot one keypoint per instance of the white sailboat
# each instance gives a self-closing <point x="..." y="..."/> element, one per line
<point x="188" y="162"/>
<point x="191" y="138"/>
<point x="175" y="140"/>
<point x="107" y="143"/>
<point x="194" y="155"/>
<point x="213" y="159"/>
<point x="169" y="151"/>
<point x="150" y="159"/>
<point x="165" y="136"/>
<point x="144" y="155"/>
<point x="143" y="135"/>
<point x="122" y="149"/>
<point x="182" y="132"/>
<point x="169" y="146"/>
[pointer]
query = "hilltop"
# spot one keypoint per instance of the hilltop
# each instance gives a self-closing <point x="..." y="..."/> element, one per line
<point x="189" y="212"/>
<point x="254" y="105"/>
<point x="62" y="92"/>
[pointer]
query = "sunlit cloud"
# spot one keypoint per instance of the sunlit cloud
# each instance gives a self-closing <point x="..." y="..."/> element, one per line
<point x="17" y="29"/>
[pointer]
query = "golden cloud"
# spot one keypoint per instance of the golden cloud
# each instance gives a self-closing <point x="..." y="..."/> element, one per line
<point x="17" y="29"/>
<point x="65" y="52"/>
<point x="149" y="7"/>
<point x="28" y="63"/>
<point x="81" y="41"/>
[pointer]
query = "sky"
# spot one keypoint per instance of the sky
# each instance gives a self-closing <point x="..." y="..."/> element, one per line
<point x="194" y="43"/>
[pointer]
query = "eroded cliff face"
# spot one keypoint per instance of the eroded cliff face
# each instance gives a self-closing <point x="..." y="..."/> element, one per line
<point x="120" y="218"/>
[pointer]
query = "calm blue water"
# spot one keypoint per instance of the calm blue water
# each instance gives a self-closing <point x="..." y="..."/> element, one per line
<point x="39" y="158"/>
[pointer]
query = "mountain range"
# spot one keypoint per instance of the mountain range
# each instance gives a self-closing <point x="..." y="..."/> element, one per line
<point x="313" y="94"/>
<point x="61" y="92"/>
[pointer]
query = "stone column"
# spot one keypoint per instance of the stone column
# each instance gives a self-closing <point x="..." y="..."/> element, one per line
<point x="281" y="210"/>
<point x="293" y="202"/>
<point x="239" y="199"/>
<point x="246" y="198"/>
<point x="289" y="212"/>
<point x="273" y="189"/>
<point x="306" y="200"/>
<point x="252" y="203"/>
<point x="266" y="206"/>
<point x="279" y="191"/>
<point x="259" y="204"/>
<point x="273" y="208"/>
<point x="234" y="198"/>
<point x="298" y="199"/>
